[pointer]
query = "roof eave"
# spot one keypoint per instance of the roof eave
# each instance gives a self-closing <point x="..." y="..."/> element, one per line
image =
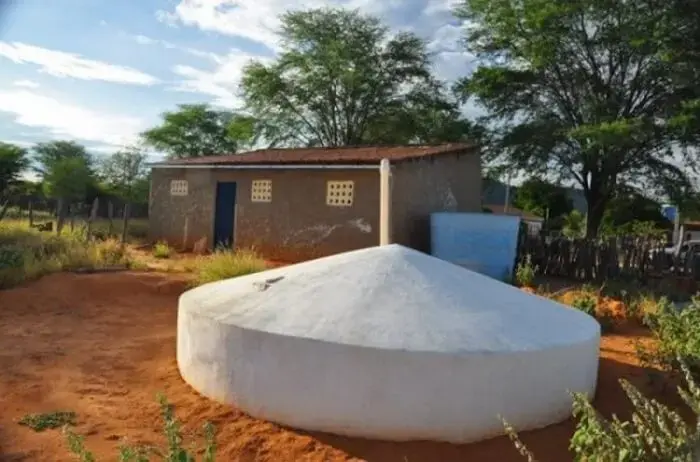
<point x="272" y="166"/>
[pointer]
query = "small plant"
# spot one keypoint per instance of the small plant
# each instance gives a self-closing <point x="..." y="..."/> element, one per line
<point x="173" y="452"/>
<point x="654" y="433"/>
<point x="162" y="250"/>
<point x="226" y="264"/>
<point x="47" y="421"/>
<point x="586" y="302"/>
<point x="525" y="272"/>
<point x="677" y="335"/>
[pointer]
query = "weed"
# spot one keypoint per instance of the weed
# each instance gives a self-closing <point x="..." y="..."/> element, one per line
<point x="50" y="420"/>
<point x="173" y="452"/>
<point x="586" y="302"/>
<point x="654" y="433"/>
<point x="677" y="335"/>
<point x="26" y="253"/>
<point x="226" y="264"/>
<point x="525" y="272"/>
<point x="162" y="250"/>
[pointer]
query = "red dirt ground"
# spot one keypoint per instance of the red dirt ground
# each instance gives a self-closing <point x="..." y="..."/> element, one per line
<point x="103" y="345"/>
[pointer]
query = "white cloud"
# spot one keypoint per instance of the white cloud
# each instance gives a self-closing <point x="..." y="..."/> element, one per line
<point x="25" y="84"/>
<point x="20" y="143"/>
<point x="221" y="82"/>
<point x="63" y="64"/>
<point x="257" y="20"/>
<point x="63" y="119"/>
<point x="145" y="40"/>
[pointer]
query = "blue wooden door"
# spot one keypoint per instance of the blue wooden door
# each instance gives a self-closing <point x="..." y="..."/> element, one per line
<point x="225" y="214"/>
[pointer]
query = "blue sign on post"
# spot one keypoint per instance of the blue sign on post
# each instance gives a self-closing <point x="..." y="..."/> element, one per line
<point x="670" y="212"/>
<point x="481" y="242"/>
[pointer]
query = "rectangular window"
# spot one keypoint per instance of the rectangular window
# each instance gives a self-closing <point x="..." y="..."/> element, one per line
<point x="261" y="191"/>
<point x="339" y="193"/>
<point x="178" y="187"/>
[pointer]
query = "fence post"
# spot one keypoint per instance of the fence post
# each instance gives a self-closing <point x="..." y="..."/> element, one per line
<point x="110" y="217"/>
<point x="30" y="211"/>
<point x="125" y="229"/>
<point x="93" y="216"/>
<point x="71" y="217"/>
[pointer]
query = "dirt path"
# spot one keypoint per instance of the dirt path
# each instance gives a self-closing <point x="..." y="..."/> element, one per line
<point x="103" y="345"/>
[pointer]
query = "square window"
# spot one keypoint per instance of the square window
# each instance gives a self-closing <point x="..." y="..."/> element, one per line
<point x="339" y="193"/>
<point x="178" y="187"/>
<point x="261" y="191"/>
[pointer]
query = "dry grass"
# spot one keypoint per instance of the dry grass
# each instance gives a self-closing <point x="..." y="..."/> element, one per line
<point x="27" y="254"/>
<point x="225" y="264"/>
<point x="162" y="250"/>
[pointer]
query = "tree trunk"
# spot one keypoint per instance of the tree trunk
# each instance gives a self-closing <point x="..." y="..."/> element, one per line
<point x="60" y="215"/>
<point x="594" y="216"/>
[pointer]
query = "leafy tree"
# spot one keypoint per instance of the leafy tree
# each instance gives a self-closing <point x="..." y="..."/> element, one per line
<point x="246" y="130"/>
<point x="48" y="154"/>
<point x="577" y="89"/>
<point x="13" y="160"/>
<point x="341" y="80"/>
<point x="679" y="31"/>
<point x="573" y="224"/>
<point x="631" y="207"/>
<point x="68" y="179"/>
<point x="193" y="130"/>
<point x="542" y="198"/>
<point x="125" y="172"/>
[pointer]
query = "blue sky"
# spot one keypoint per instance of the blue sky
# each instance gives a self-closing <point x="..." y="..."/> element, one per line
<point x="99" y="72"/>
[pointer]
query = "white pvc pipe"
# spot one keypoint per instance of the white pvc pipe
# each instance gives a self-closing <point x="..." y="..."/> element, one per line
<point x="384" y="202"/>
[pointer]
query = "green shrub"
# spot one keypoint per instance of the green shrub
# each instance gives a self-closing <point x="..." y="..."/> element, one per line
<point x="173" y="452"/>
<point x="50" y="420"/>
<point x="586" y="302"/>
<point x="226" y="264"/>
<point x="26" y="253"/>
<point x="525" y="272"/>
<point x="677" y="335"/>
<point x="654" y="433"/>
<point x="162" y="250"/>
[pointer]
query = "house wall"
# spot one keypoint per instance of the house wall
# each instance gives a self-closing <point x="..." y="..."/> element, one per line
<point x="297" y="224"/>
<point x="446" y="183"/>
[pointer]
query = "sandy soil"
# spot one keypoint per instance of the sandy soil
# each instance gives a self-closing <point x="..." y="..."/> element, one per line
<point x="103" y="345"/>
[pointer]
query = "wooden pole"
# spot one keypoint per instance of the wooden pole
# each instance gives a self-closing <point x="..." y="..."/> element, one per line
<point x="110" y="217"/>
<point x="125" y="229"/>
<point x="384" y="202"/>
<point x="59" y="215"/>
<point x="93" y="217"/>
<point x="30" y="210"/>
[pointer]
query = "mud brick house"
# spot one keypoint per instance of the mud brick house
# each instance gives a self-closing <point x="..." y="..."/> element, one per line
<point x="302" y="203"/>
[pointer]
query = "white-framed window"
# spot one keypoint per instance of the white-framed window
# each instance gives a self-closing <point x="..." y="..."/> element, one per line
<point x="178" y="187"/>
<point x="340" y="193"/>
<point x="261" y="191"/>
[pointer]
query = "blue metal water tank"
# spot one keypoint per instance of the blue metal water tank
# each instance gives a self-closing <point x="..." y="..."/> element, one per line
<point x="485" y="243"/>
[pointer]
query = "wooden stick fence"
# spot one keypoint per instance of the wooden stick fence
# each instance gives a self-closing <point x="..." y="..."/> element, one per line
<point x="597" y="259"/>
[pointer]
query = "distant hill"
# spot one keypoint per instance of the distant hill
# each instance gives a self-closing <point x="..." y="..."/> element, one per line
<point x="494" y="192"/>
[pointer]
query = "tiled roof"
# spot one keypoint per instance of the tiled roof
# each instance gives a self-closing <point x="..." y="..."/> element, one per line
<point x="344" y="155"/>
